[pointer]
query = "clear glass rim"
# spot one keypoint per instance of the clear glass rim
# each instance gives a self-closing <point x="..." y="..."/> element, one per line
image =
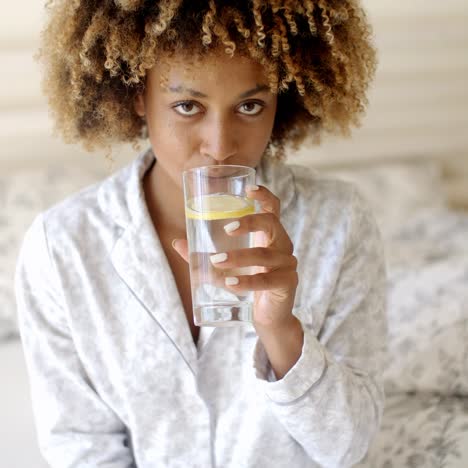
<point x="201" y="169"/>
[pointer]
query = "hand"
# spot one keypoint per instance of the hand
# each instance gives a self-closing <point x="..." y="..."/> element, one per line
<point x="276" y="279"/>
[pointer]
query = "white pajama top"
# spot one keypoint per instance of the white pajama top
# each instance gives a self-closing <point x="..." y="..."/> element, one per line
<point x="116" y="378"/>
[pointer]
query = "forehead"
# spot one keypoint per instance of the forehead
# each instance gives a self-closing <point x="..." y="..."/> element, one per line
<point x="215" y="68"/>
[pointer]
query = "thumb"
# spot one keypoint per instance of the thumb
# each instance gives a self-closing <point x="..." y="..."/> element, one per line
<point x="181" y="247"/>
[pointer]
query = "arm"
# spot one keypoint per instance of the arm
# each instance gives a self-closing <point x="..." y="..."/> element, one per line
<point x="331" y="398"/>
<point x="74" y="425"/>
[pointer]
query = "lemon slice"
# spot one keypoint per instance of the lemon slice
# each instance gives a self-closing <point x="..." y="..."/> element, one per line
<point x="219" y="206"/>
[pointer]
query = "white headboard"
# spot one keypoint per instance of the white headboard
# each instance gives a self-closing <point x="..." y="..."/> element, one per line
<point x="418" y="104"/>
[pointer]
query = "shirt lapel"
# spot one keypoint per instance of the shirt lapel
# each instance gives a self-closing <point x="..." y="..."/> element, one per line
<point x="139" y="259"/>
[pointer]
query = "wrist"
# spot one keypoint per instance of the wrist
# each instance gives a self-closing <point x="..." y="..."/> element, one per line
<point x="283" y="345"/>
<point x="287" y="327"/>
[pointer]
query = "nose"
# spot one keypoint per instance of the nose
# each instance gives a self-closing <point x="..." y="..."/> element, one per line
<point x="218" y="140"/>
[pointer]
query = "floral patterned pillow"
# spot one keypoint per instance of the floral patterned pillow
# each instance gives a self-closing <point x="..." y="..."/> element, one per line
<point x="421" y="430"/>
<point x="23" y="194"/>
<point x="427" y="265"/>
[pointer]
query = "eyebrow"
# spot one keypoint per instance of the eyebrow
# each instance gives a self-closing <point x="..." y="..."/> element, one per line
<point x="258" y="89"/>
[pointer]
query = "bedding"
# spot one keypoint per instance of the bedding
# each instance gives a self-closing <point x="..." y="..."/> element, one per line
<point x="421" y="431"/>
<point x="22" y="195"/>
<point x="427" y="263"/>
<point x="18" y="443"/>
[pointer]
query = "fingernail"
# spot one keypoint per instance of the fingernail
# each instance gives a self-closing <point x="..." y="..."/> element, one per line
<point x="173" y="243"/>
<point x="252" y="188"/>
<point x="231" y="281"/>
<point x="218" y="258"/>
<point x="232" y="226"/>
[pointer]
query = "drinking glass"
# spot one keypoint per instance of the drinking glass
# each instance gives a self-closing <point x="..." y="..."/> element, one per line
<point x="214" y="197"/>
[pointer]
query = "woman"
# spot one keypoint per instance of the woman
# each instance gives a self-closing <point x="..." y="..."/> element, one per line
<point x="120" y="375"/>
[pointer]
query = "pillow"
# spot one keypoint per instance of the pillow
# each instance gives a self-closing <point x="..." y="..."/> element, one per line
<point x="397" y="191"/>
<point x="23" y="194"/>
<point x="420" y="431"/>
<point x="428" y="326"/>
<point x="427" y="269"/>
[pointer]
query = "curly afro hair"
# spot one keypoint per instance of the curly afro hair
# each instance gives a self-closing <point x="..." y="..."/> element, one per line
<point x="317" y="54"/>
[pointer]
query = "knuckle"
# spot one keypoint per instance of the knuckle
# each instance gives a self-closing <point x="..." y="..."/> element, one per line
<point x="245" y="256"/>
<point x="268" y="207"/>
<point x="247" y="221"/>
<point x="271" y="218"/>
<point x="277" y="202"/>
<point x="264" y="253"/>
<point x="233" y="257"/>
<point x="294" y="278"/>
<point x="264" y="280"/>
<point x="294" y="261"/>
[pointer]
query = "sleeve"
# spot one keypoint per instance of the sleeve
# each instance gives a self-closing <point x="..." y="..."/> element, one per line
<point x="75" y="427"/>
<point x="331" y="401"/>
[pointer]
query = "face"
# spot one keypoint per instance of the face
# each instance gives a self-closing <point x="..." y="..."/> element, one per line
<point x="218" y="110"/>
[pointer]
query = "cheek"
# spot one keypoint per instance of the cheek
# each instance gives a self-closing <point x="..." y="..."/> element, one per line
<point x="261" y="133"/>
<point x="253" y="137"/>
<point x="257" y="137"/>
<point x="170" y="140"/>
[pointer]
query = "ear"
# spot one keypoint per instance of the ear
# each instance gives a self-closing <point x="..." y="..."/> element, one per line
<point x="139" y="104"/>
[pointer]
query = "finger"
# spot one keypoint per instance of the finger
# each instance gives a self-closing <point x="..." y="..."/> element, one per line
<point x="202" y="271"/>
<point x="268" y="223"/>
<point x="277" y="279"/>
<point x="181" y="247"/>
<point x="269" y="203"/>
<point x="255" y="256"/>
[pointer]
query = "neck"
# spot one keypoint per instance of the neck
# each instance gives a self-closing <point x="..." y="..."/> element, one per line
<point x="165" y="201"/>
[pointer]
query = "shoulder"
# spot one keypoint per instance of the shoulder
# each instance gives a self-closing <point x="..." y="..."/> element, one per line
<point x="304" y="190"/>
<point x="97" y="206"/>
<point x="332" y="205"/>
<point x="57" y="229"/>
<point x="74" y="213"/>
<point x="82" y="221"/>
<point x="333" y="195"/>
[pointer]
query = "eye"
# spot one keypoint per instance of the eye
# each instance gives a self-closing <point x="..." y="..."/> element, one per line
<point x="186" y="108"/>
<point x="251" y="108"/>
